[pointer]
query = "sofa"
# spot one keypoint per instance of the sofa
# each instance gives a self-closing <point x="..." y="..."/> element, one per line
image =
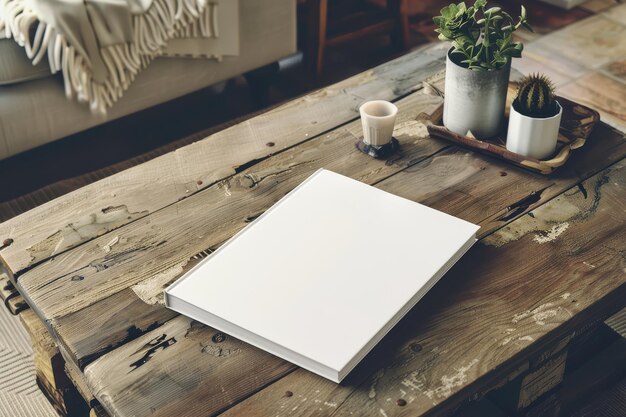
<point x="35" y="111"/>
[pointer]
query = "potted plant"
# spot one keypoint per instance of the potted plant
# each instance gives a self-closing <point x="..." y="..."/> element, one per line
<point x="478" y="65"/>
<point x="534" y="119"/>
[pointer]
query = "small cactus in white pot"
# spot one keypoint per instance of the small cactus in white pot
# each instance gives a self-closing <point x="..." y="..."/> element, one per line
<point x="534" y="118"/>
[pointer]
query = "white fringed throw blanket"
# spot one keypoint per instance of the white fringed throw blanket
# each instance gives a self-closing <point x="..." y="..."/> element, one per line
<point x="101" y="45"/>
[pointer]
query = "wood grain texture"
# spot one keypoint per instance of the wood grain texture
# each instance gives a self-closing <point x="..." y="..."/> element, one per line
<point x="129" y="287"/>
<point x="451" y="177"/>
<point x="187" y="386"/>
<point x="528" y="283"/>
<point x="49" y="368"/>
<point x="111" y="322"/>
<point x="106" y="205"/>
<point x="453" y="180"/>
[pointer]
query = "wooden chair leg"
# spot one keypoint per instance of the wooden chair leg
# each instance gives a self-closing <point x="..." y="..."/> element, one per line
<point x="400" y="36"/>
<point x="317" y="17"/>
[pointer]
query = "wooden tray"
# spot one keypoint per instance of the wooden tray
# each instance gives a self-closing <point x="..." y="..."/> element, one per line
<point x="576" y="125"/>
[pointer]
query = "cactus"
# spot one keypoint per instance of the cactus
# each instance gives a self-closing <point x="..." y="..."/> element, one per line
<point x="535" y="97"/>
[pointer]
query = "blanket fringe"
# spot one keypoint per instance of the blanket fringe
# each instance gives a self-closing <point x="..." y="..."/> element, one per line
<point x="164" y="20"/>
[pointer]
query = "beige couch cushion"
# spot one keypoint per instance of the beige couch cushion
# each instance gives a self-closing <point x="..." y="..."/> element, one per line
<point x="15" y="66"/>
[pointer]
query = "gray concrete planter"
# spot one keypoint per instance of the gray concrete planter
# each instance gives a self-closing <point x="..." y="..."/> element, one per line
<point x="474" y="100"/>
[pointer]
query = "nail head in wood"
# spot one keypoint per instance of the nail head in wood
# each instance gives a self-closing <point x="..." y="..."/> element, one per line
<point x="415" y="347"/>
<point x="218" y="337"/>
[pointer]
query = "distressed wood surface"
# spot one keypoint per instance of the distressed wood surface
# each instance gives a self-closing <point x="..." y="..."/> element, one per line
<point x="528" y="283"/>
<point x="119" y="267"/>
<point x="103" y="206"/>
<point x="183" y="389"/>
<point x="49" y="368"/>
<point x="453" y="180"/>
<point x="78" y="299"/>
<point x="87" y="332"/>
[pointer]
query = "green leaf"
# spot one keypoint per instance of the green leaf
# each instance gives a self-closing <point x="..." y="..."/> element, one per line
<point x="447" y="12"/>
<point x="527" y="26"/>
<point x="479" y="4"/>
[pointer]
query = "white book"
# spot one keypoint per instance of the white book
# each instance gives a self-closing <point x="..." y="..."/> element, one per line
<point x="334" y="260"/>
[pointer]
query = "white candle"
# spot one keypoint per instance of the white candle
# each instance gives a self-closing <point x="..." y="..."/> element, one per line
<point x="378" y="118"/>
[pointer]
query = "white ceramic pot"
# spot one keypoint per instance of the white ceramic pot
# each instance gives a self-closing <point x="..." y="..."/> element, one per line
<point x="474" y="100"/>
<point x="378" y="118"/>
<point x="531" y="136"/>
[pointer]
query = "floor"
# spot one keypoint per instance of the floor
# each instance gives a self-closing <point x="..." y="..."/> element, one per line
<point x="19" y="395"/>
<point x="582" y="50"/>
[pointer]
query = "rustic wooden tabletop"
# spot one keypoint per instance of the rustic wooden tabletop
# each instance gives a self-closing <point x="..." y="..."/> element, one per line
<point x="550" y="263"/>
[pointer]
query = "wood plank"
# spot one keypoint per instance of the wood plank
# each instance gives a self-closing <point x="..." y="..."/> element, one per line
<point x="600" y="383"/>
<point x="456" y="181"/>
<point x="456" y="160"/>
<point x="49" y="368"/>
<point x="143" y="249"/>
<point x="128" y="196"/>
<point x="197" y="389"/>
<point x="595" y="376"/>
<point x="86" y="329"/>
<point x="127" y="405"/>
<point x="518" y="289"/>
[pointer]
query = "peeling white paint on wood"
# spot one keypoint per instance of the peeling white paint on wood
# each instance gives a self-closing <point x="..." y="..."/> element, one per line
<point x="150" y="291"/>
<point x="548" y="221"/>
<point x="540" y="314"/>
<point x="551" y="235"/>
<point x="449" y="383"/>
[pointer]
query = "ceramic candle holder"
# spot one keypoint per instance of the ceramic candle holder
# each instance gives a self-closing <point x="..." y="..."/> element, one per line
<point x="378" y="118"/>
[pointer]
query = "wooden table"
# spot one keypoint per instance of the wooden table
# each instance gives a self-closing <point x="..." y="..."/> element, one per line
<point x="498" y="331"/>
